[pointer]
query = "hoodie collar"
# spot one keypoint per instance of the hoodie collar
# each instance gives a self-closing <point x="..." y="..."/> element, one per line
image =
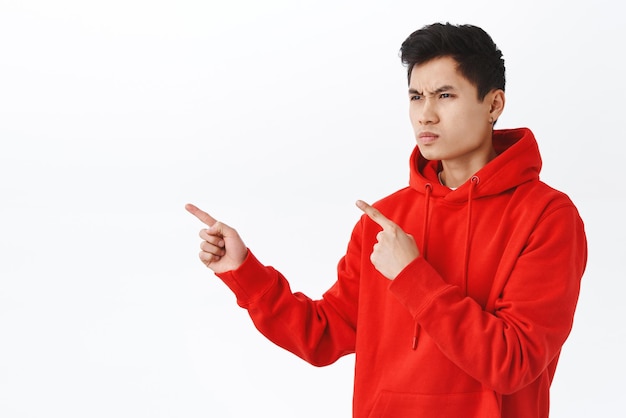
<point x="517" y="161"/>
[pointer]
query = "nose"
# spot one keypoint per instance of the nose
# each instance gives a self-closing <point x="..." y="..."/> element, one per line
<point x="427" y="114"/>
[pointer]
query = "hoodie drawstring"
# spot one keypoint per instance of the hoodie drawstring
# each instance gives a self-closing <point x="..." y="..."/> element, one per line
<point x="429" y="189"/>
<point x="468" y="230"/>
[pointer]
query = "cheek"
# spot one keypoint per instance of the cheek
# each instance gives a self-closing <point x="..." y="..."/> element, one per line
<point x="471" y="131"/>
<point x="465" y="122"/>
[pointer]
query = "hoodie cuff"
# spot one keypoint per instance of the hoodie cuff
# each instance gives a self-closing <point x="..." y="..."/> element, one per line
<point x="417" y="286"/>
<point x="250" y="280"/>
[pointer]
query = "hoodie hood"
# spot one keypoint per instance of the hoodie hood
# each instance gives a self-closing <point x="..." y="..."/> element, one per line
<point x="518" y="161"/>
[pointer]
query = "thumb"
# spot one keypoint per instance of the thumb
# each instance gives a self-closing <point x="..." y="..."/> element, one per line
<point x="200" y="214"/>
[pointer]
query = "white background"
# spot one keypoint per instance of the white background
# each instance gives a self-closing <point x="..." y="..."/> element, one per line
<point x="274" y="116"/>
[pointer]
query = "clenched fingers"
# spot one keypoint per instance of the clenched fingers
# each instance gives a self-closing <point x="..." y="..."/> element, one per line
<point x="206" y="235"/>
<point x="212" y="247"/>
<point x="208" y="258"/>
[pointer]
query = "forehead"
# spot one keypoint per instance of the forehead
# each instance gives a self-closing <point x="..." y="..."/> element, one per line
<point x="437" y="72"/>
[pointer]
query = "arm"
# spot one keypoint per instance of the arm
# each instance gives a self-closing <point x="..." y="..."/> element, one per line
<point x="318" y="331"/>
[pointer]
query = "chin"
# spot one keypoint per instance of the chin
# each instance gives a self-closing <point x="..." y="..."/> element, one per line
<point x="429" y="154"/>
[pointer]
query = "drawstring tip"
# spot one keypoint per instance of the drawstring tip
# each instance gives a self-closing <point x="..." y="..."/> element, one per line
<point x="415" y="342"/>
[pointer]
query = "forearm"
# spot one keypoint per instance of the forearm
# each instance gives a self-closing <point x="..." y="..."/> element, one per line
<point x="313" y="330"/>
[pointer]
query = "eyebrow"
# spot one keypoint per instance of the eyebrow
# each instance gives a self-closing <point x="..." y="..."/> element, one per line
<point x="441" y="89"/>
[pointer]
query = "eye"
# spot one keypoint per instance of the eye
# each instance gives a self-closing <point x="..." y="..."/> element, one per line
<point x="415" y="97"/>
<point x="445" y="95"/>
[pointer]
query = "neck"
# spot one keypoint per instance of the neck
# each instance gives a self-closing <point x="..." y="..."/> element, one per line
<point x="456" y="173"/>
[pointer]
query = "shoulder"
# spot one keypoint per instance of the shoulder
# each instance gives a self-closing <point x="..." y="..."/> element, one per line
<point x="536" y="199"/>
<point x="539" y="192"/>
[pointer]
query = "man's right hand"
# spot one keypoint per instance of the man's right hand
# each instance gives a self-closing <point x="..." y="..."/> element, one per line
<point x="222" y="248"/>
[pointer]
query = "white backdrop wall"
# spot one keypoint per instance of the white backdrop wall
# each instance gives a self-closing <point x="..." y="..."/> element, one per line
<point x="275" y="117"/>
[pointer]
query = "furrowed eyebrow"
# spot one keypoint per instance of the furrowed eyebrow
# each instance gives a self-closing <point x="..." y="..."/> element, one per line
<point x="441" y="89"/>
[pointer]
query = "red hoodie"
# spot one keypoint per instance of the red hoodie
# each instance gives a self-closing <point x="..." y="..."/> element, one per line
<point x="471" y="328"/>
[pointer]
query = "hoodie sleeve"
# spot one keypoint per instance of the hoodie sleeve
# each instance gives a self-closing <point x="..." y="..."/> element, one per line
<point x="318" y="331"/>
<point x="509" y="346"/>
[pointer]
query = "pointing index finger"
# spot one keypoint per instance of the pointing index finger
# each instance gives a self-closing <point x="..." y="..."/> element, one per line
<point x="200" y="214"/>
<point x="374" y="214"/>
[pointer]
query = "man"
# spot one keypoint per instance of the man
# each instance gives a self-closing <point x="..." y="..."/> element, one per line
<point x="456" y="292"/>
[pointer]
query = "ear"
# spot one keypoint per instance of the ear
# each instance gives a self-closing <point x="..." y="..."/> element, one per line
<point x="496" y="104"/>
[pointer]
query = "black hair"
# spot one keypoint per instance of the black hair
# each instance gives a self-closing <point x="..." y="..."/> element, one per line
<point x="479" y="59"/>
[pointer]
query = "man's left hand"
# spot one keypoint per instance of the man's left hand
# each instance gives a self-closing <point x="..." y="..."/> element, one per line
<point x="395" y="248"/>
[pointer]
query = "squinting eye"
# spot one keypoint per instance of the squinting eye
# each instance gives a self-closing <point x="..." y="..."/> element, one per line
<point x="415" y="97"/>
<point x="444" y="95"/>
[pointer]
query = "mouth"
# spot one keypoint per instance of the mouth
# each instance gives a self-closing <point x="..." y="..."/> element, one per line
<point x="427" y="137"/>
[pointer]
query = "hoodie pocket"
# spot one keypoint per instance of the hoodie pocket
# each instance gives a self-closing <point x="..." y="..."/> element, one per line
<point x="484" y="404"/>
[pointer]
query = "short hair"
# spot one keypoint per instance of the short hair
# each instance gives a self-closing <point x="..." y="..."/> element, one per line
<point x="479" y="59"/>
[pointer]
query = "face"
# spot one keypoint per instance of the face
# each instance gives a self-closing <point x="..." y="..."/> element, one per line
<point x="449" y="121"/>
